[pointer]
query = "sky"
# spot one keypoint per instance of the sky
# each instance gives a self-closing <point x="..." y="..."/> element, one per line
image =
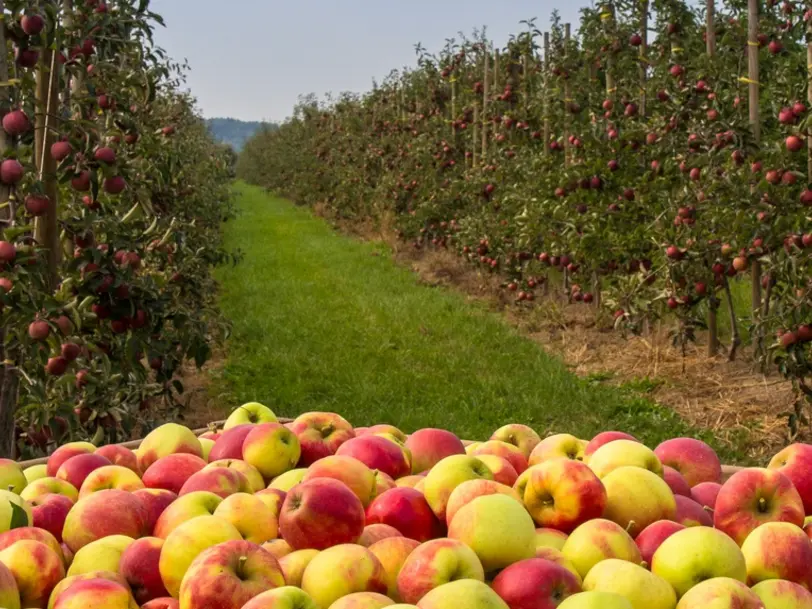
<point x="251" y="59"/>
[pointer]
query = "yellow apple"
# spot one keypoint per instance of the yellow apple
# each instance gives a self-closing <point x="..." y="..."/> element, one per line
<point x="643" y="589"/>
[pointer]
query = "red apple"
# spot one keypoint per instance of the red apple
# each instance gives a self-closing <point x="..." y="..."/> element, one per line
<point x="320" y="434"/>
<point x="229" y="444"/>
<point x="49" y="513"/>
<point x="139" y="566"/>
<point x="429" y="446"/>
<point x="377" y="453"/>
<point x="535" y="583"/>
<point x="795" y="462"/>
<point x="172" y="472"/>
<point x="650" y="538"/>
<point x="695" y="460"/>
<point x="408" y="511"/>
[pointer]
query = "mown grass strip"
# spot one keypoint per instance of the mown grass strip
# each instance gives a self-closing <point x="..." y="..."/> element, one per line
<point x="323" y="322"/>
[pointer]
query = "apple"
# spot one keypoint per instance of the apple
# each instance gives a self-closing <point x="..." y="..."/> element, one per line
<point x="411" y="481"/>
<point x="65" y="452"/>
<point x="320" y="434"/>
<point x="503" y="472"/>
<point x="155" y="500"/>
<point x="376" y="532"/>
<point x="342" y="570"/>
<point x="229" y="444"/>
<point x="624" y="453"/>
<point x="695" y="460"/>
<point x="278" y="547"/>
<point x="695" y="554"/>
<point x="72" y="579"/>
<point x="675" y="480"/>
<point x="14" y="511"/>
<point x="294" y="564"/>
<point x="255" y="521"/>
<point x="165" y="440"/>
<point x="705" y="494"/>
<point x="228" y="575"/>
<point x="255" y="481"/>
<point x="462" y="593"/>
<point x="377" y="453"/>
<point x="77" y="468"/>
<point x="321" y="513"/>
<point x="780" y="594"/>
<point x="183" y="509"/>
<point x="652" y="537"/>
<point x="435" y="563"/>
<point x="511" y="453"/>
<point x="109" y="477"/>
<point x="286" y="597"/>
<point x="288" y="480"/>
<point x="447" y="475"/>
<point x="535" y="583"/>
<point x="795" y="462"/>
<point x="104" y="513"/>
<point x="392" y="553"/>
<point x="691" y="514"/>
<point x="171" y="472"/>
<point x="101" y="555"/>
<point x="9" y="591"/>
<point x="11" y="537"/>
<point x="596" y="600"/>
<point x="250" y="412"/>
<point x="598" y="540"/>
<point x="352" y="472"/>
<point x="778" y="550"/>
<point x="165" y="602"/>
<point x="49" y="513"/>
<point x="186" y="542"/>
<point x="406" y="510"/>
<point x="556" y="446"/>
<point x="604" y="438"/>
<point x="272" y="448"/>
<point x="720" y="592"/>
<point x="273" y="498"/>
<point x="643" y="589"/>
<point x="754" y="496"/>
<point x="12" y="477"/>
<point x="550" y="538"/>
<point x="34" y="473"/>
<point x="636" y="497"/>
<point x="382" y="429"/>
<point x="362" y="600"/>
<point x="471" y="489"/>
<point x="563" y="494"/>
<point x="50" y="486"/>
<point x="497" y="528"/>
<point x="96" y="592"/>
<point x="139" y="566"/>
<point x="120" y="455"/>
<point x="36" y="568"/>
<point x="521" y="436"/>
<point x="221" y="481"/>
<point x="384" y="482"/>
<point x="206" y="444"/>
<point x="429" y="446"/>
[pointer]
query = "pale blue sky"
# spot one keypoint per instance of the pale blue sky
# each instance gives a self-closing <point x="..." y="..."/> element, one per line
<point x="250" y="59"/>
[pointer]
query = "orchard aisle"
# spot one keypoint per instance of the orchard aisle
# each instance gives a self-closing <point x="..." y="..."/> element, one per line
<point x="323" y="322"/>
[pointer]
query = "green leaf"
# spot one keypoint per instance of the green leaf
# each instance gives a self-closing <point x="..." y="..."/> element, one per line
<point x="19" y="517"/>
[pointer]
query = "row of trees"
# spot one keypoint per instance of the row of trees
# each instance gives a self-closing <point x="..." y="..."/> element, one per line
<point x="112" y="197"/>
<point x="653" y="159"/>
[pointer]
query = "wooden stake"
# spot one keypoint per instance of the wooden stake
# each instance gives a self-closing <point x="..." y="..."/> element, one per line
<point x="485" y="93"/>
<point x="545" y="93"/>
<point x="643" y="54"/>
<point x="475" y="136"/>
<point x="753" y="86"/>
<point x="710" y="28"/>
<point x="453" y="107"/>
<point x="46" y="231"/>
<point x="809" y="98"/>
<point x="567" y="102"/>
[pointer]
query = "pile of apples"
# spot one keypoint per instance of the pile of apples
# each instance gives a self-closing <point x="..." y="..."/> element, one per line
<point x="314" y="514"/>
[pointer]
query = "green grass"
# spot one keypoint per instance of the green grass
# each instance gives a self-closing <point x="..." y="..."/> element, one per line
<point x="324" y="322"/>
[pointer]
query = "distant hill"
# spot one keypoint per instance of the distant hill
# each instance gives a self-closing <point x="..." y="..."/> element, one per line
<point x="234" y="132"/>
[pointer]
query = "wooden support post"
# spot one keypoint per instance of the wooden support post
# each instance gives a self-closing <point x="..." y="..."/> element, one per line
<point x="545" y="93"/>
<point x="46" y="231"/>
<point x="485" y="93"/>
<point x="643" y="55"/>
<point x="755" y="125"/>
<point x="567" y="102"/>
<point x="710" y="28"/>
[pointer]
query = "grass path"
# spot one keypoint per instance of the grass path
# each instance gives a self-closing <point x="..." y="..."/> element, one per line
<point x="323" y="322"/>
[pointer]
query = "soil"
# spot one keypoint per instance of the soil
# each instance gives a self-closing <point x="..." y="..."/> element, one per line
<point x="733" y="399"/>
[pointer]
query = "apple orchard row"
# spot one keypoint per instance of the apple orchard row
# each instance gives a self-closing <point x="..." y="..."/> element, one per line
<point x="644" y="165"/>
<point x="112" y="198"/>
<point x="316" y="514"/>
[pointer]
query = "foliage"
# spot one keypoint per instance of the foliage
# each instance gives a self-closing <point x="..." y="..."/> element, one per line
<point x="110" y="291"/>
<point x="633" y="167"/>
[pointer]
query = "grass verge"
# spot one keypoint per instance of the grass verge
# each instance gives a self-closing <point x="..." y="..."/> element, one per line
<point x="323" y="322"/>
